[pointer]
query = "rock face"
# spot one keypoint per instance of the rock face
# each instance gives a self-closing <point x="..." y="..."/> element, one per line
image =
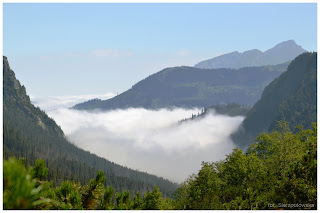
<point x="283" y="52"/>
<point x="12" y="86"/>
<point x="17" y="102"/>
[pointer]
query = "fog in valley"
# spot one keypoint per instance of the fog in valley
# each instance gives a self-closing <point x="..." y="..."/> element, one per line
<point x="55" y="102"/>
<point x="147" y="140"/>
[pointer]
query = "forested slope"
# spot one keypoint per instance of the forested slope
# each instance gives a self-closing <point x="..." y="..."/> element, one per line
<point x="279" y="171"/>
<point x="190" y="87"/>
<point x="291" y="97"/>
<point x="29" y="133"/>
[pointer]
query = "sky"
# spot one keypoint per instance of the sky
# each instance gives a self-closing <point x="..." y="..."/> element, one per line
<point x="96" y="49"/>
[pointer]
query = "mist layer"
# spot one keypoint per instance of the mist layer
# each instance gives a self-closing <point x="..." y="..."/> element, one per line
<point x="151" y="141"/>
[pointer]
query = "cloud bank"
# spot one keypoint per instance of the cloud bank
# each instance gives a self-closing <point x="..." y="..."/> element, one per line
<point x="57" y="102"/>
<point x="150" y="141"/>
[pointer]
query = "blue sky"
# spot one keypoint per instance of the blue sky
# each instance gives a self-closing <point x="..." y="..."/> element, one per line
<point x="81" y="49"/>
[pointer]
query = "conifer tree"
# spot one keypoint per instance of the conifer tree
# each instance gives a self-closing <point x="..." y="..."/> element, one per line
<point x="108" y="196"/>
<point x="92" y="191"/>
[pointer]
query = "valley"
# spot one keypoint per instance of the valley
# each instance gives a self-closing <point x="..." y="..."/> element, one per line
<point x="200" y="106"/>
<point x="130" y="143"/>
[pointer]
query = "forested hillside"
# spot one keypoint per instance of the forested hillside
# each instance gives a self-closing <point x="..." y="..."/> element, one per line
<point x="285" y="51"/>
<point x="291" y="97"/>
<point x="279" y="171"/>
<point x="189" y="87"/>
<point x="29" y="133"/>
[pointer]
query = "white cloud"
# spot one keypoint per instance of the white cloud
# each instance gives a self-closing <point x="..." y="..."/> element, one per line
<point x="111" y="53"/>
<point x="55" y="102"/>
<point x="151" y="141"/>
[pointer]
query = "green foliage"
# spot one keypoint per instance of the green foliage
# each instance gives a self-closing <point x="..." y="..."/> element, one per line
<point x="22" y="161"/>
<point x="280" y="167"/>
<point x="18" y="187"/>
<point x="300" y="182"/>
<point x="126" y="199"/>
<point x="137" y="202"/>
<point x="202" y="188"/>
<point x="153" y="199"/>
<point x="119" y="199"/>
<point x="279" y="148"/>
<point x="39" y="171"/>
<point x="68" y="195"/>
<point x="123" y="200"/>
<point x="20" y="191"/>
<point x="93" y="191"/>
<point x="107" y="197"/>
<point x="180" y="196"/>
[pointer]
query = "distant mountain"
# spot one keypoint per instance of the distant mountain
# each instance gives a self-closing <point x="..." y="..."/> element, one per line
<point x="291" y="97"/>
<point x="283" y="52"/>
<point x="192" y="87"/>
<point x="29" y="133"/>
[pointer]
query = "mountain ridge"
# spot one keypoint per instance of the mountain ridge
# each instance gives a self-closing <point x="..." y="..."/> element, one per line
<point x="280" y="53"/>
<point x="190" y="87"/>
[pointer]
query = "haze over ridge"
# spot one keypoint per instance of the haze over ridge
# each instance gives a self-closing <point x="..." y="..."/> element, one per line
<point x="280" y="53"/>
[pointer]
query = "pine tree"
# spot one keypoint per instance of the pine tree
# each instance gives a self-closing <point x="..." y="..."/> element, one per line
<point x="92" y="191"/>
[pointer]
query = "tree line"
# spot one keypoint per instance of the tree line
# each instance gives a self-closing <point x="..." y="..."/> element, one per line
<point x="278" y="171"/>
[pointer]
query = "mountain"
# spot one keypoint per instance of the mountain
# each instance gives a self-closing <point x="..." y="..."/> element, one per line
<point x="29" y="133"/>
<point x="285" y="51"/>
<point x="192" y="87"/>
<point x="291" y="97"/>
